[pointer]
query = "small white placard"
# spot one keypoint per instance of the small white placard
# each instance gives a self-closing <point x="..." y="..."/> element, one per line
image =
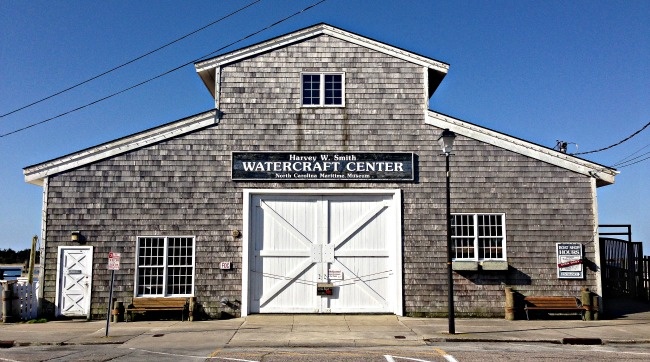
<point x="335" y="274"/>
<point x="224" y="265"/>
<point x="114" y="261"/>
<point x="569" y="261"/>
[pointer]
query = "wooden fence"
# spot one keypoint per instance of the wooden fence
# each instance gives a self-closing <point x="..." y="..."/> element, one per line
<point x="24" y="304"/>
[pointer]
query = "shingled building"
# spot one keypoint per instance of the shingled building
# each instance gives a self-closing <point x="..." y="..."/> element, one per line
<point x="316" y="185"/>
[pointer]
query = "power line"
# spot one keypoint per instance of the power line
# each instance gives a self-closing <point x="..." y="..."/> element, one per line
<point x="633" y="163"/>
<point x="616" y="144"/>
<point x="162" y="74"/>
<point x="259" y="31"/>
<point x="627" y="158"/>
<point x="130" y="61"/>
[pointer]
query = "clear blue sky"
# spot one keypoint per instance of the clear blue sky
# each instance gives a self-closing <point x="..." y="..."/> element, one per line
<point x="537" y="70"/>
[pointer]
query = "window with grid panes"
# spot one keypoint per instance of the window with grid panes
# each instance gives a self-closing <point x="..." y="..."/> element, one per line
<point x="165" y="266"/>
<point x="478" y="236"/>
<point x="323" y="89"/>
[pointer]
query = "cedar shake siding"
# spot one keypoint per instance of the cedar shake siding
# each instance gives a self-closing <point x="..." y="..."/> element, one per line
<point x="181" y="186"/>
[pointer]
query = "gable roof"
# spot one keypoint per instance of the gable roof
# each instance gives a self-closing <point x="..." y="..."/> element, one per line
<point x="604" y="175"/>
<point x="35" y="174"/>
<point x="207" y="69"/>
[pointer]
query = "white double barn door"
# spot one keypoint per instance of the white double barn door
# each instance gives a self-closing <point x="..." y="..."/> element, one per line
<point x="350" y="241"/>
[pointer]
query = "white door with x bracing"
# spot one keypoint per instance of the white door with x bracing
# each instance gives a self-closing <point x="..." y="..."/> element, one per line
<point x="74" y="276"/>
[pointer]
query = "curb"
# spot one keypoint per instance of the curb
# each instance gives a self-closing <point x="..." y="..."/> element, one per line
<point x="570" y="341"/>
<point x="361" y="343"/>
<point x="627" y="341"/>
<point x="490" y="340"/>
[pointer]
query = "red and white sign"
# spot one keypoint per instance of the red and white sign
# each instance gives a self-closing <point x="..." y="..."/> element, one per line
<point x="113" y="261"/>
<point x="569" y="261"/>
<point x="335" y="274"/>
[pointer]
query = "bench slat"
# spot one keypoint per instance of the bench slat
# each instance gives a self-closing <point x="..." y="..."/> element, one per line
<point x="553" y="303"/>
<point x="157" y="304"/>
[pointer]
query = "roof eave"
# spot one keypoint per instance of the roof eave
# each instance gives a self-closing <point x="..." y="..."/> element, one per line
<point x="604" y="175"/>
<point x="206" y="68"/>
<point x="36" y="174"/>
<point x="208" y="77"/>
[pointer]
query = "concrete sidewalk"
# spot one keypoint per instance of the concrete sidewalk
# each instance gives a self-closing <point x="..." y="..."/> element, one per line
<point x="322" y="330"/>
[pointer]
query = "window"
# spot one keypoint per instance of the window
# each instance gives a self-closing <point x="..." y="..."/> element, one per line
<point x="478" y="236"/>
<point x="165" y="266"/>
<point x="322" y="89"/>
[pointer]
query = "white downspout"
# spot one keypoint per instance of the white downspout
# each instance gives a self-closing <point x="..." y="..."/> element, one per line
<point x="597" y="251"/>
<point x="41" y="272"/>
<point x="217" y="91"/>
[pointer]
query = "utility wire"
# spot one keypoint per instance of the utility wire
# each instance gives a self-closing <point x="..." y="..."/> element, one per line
<point x="259" y="31"/>
<point x="130" y="61"/>
<point x="162" y="74"/>
<point x="628" y="158"/>
<point x="616" y="144"/>
<point x="633" y="161"/>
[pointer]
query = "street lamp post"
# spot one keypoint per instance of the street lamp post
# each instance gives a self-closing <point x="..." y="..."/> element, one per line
<point x="446" y="141"/>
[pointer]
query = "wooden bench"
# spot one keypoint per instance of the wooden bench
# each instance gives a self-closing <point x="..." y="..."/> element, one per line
<point x="554" y="304"/>
<point x="156" y="305"/>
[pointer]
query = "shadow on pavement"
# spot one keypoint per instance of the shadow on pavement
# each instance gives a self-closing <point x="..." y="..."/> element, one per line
<point x="622" y="308"/>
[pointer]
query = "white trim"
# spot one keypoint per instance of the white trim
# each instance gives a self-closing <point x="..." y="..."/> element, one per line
<point x="399" y="267"/>
<point x="35" y="174"/>
<point x="245" y="255"/>
<point x="41" y="285"/>
<point x="590" y="169"/>
<point x="321" y="98"/>
<point x="397" y="287"/>
<point x="327" y="192"/>
<point x="217" y="89"/>
<point x="425" y="90"/>
<point x="207" y="69"/>
<point x="596" y="241"/>
<point x="477" y="237"/>
<point x="165" y="266"/>
<point x="312" y="32"/>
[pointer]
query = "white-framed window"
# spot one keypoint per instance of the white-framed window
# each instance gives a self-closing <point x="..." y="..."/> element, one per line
<point x="478" y="236"/>
<point x="323" y="89"/>
<point x="164" y="266"/>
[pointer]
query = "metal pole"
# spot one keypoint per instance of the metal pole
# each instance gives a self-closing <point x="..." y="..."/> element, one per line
<point x="450" y="277"/>
<point x="110" y="302"/>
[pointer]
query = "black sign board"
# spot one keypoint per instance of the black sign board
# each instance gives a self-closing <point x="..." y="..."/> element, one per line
<point x="322" y="166"/>
<point x="324" y="289"/>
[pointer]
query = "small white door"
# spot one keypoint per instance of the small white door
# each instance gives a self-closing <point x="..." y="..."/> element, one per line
<point x="299" y="241"/>
<point x="74" y="276"/>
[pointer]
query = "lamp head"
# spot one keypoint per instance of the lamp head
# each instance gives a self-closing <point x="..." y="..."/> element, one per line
<point x="75" y="236"/>
<point x="446" y="141"/>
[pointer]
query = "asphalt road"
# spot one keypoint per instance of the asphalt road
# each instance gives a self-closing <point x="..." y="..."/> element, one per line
<point x="442" y="352"/>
